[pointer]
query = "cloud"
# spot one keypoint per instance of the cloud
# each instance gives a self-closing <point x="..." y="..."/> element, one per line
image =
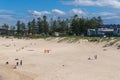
<point x="112" y="17"/>
<point x="38" y="14"/>
<point x="58" y="12"/>
<point x="7" y="16"/>
<point x="108" y="15"/>
<point x="100" y="3"/>
<point x="8" y="19"/>
<point x="78" y="12"/>
<point x="53" y="12"/>
<point x="7" y="12"/>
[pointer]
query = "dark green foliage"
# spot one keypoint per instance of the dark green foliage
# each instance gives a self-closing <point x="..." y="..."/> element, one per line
<point x="65" y="27"/>
<point x="80" y="25"/>
<point x="40" y="26"/>
<point x="29" y="27"/>
<point x="45" y="25"/>
<point x="18" y="27"/>
<point x="33" y="25"/>
<point x="5" y="27"/>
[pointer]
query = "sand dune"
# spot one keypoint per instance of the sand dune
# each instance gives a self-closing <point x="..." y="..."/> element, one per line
<point x="65" y="61"/>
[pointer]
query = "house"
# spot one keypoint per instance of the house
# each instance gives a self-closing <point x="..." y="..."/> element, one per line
<point x="115" y="27"/>
<point x="91" y="32"/>
<point x="107" y="30"/>
<point x="2" y="31"/>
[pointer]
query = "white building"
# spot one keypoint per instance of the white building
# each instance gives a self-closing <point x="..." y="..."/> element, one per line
<point x="91" y="32"/>
<point x="105" y="31"/>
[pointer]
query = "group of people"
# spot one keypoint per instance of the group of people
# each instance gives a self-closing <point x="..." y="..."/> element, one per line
<point x="46" y="51"/>
<point x="95" y="57"/>
<point x="18" y="63"/>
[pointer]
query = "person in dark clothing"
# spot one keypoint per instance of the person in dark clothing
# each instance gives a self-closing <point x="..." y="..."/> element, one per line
<point x="95" y="56"/>
<point x="17" y="63"/>
<point x="21" y="62"/>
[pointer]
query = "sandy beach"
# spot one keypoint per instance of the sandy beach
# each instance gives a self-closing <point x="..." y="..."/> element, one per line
<point x="65" y="61"/>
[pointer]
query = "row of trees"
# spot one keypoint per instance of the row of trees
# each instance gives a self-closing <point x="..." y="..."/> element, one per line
<point x="72" y="26"/>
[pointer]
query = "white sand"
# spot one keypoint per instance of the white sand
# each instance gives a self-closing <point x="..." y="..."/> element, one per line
<point x="66" y="61"/>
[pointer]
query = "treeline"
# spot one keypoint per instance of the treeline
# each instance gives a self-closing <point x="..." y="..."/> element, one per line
<point x="42" y="26"/>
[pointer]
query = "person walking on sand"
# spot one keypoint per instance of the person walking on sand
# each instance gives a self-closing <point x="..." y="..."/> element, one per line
<point x="95" y="56"/>
<point x="17" y="63"/>
<point x="21" y="62"/>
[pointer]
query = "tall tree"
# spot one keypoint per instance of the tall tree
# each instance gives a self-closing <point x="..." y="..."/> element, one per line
<point x="5" y="27"/>
<point x="82" y="27"/>
<point x="33" y="25"/>
<point x="99" y="21"/>
<point x="51" y="25"/>
<point x="12" y="30"/>
<point x="23" y="27"/>
<point x="54" y="26"/>
<point x="18" y="27"/>
<point x="45" y="25"/>
<point x="67" y="25"/>
<point x="29" y="27"/>
<point x="40" y="26"/>
<point x="63" y="27"/>
<point x="75" y="25"/>
<point x="94" y="22"/>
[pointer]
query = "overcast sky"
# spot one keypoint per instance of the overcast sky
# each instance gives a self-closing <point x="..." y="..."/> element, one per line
<point x="25" y="10"/>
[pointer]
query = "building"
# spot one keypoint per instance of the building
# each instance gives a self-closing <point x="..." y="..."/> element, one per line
<point x="91" y="32"/>
<point x="106" y="30"/>
<point x="2" y="31"/>
<point x="115" y="27"/>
